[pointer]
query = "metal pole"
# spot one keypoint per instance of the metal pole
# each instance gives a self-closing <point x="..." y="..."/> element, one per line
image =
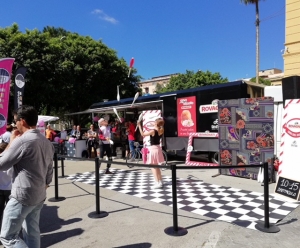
<point x="266" y="227"/>
<point x="56" y="175"/>
<point x="175" y="230"/>
<point x="56" y="198"/>
<point x="97" y="189"/>
<point x="97" y="213"/>
<point x="266" y="194"/>
<point x="174" y="196"/>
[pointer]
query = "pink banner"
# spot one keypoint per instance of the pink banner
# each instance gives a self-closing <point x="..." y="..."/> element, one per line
<point x="5" y="77"/>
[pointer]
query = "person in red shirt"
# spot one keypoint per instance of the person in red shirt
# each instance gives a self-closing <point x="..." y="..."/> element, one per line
<point x="130" y="133"/>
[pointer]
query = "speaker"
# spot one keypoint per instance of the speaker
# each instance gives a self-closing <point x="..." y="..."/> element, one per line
<point x="290" y="88"/>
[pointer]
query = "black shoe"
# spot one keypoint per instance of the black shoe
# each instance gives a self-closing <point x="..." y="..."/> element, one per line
<point x="108" y="172"/>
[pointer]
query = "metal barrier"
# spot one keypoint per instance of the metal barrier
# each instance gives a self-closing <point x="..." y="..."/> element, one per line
<point x="174" y="230"/>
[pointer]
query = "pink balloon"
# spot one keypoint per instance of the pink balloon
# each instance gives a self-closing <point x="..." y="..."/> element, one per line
<point x="56" y="139"/>
<point x="72" y="140"/>
<point x="96" y="118"/>
<point x="41" y="123"/>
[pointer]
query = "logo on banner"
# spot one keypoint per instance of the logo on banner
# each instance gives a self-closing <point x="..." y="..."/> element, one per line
<point x="292" y="127"/>
<point x="20" y="81"/>
<point x="4" y="76"/>
<point x="2" y="121"/>
<point x="209" y="108"/>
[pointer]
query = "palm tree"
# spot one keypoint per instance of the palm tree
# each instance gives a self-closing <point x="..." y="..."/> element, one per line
<point x="257" y="33"/>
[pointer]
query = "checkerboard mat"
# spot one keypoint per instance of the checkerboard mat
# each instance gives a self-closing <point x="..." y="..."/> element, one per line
<point x="241" y="207"/>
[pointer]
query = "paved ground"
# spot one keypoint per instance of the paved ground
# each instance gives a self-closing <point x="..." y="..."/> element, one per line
<point x="134" y="222"/>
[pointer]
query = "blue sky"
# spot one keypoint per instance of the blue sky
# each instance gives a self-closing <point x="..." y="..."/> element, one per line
<point x="165" y="36"/>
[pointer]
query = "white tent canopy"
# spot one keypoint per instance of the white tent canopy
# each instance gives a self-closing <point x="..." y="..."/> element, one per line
<point x="46" y="118"/>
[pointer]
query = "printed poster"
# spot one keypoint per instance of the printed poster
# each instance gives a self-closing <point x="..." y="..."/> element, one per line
<point x="149" y="118"/>
<point x="186" y="119"/>
<point x="246" y="134"/>
<point x="290" y="143"/>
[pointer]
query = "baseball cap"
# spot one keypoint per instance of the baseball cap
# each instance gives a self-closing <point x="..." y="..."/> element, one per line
<point x="101" y="119"/>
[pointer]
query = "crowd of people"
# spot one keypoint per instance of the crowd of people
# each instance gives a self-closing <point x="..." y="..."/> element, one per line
<point x="26" y="167"/>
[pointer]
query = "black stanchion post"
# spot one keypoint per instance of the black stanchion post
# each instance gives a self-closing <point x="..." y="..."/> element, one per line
<point x="62" y="167"/>
<point x="175" y="230"/>
<point x="97" y="213"/>
<point x="56" y="198"/>
<point x="266" y="227"/>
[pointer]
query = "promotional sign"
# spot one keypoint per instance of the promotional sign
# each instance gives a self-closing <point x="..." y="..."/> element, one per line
<point x="289" y="168"/>
<point x="19" y="87"/>
<point x="149" y="118"/>
<point x="246" y="134"/>
<point x="5" y="78"/>
<point x="287" y="188"/>
<point x="186" y="119"/>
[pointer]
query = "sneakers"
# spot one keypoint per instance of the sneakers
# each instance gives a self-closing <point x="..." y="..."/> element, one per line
<point x="108" y="172"/>
<point x="157" y="185"/>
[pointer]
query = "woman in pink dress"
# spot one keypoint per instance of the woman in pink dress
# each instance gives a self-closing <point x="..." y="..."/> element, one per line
<point x="155" y="156"/>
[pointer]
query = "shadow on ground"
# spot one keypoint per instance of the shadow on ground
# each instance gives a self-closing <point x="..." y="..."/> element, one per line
<point x="50" y="222"/>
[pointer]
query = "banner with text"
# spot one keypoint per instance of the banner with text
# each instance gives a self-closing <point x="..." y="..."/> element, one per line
<point x="5" y="77"/>
<point x="19" y="87"/>
<point x="186" y="119"/>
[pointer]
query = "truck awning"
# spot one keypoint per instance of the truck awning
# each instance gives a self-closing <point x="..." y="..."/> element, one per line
<point x="127" y="107"/>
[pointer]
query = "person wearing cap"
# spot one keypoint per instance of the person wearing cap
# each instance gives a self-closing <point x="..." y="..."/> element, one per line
<point x="104" y="142"/>
<point x="6" y="136"/>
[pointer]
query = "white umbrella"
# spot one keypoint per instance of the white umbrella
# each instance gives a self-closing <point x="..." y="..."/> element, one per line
<point x="47" y="118"/>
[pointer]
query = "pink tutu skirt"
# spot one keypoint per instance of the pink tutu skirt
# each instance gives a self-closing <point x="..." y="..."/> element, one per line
<point x="155" y="155"/>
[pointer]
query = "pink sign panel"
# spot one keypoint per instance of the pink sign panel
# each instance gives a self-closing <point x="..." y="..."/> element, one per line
<point x="186" y="116"/>
<point x="5" y="77"/>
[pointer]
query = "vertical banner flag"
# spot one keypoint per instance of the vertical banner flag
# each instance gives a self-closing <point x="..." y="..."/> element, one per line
<point x="5" y="77"/>
<point x="19" y="87"/>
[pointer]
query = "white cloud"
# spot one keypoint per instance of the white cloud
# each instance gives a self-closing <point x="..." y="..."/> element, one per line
<point x="100" y="13"/>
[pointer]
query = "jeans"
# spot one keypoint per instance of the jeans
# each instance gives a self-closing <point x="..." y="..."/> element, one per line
<point x="4" y="198"/>
<point x="131" y="147"/>
<point x="17" y="216"/>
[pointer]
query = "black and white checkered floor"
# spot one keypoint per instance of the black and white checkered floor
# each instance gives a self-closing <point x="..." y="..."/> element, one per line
<point x="240" y="207"/>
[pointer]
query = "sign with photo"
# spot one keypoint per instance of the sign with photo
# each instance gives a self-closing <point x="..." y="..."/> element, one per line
<point x="186" y="119"/>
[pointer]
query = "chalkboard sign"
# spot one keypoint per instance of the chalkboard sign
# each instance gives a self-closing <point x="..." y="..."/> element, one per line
<point x="288" y="188"/>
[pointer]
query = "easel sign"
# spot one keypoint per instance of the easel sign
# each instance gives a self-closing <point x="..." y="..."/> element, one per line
<point x="288" y="188"/>
<point x="190" y="149"/>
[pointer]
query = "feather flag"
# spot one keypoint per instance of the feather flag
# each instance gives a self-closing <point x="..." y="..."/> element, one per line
<point x="131" y="65"/>
<point x="6" y="65"/>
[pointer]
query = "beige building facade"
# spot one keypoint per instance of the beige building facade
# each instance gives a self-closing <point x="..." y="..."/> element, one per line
<point x="291" y="54"/>
<point x="153" y="82"/>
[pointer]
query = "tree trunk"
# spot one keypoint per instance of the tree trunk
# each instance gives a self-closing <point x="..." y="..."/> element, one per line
<point x="257" y="42"/>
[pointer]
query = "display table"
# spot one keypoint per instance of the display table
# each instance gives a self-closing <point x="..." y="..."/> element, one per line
<point x="75" y="150"/>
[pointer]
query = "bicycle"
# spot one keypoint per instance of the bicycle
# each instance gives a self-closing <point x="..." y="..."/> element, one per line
<point x="137" y="155"/>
